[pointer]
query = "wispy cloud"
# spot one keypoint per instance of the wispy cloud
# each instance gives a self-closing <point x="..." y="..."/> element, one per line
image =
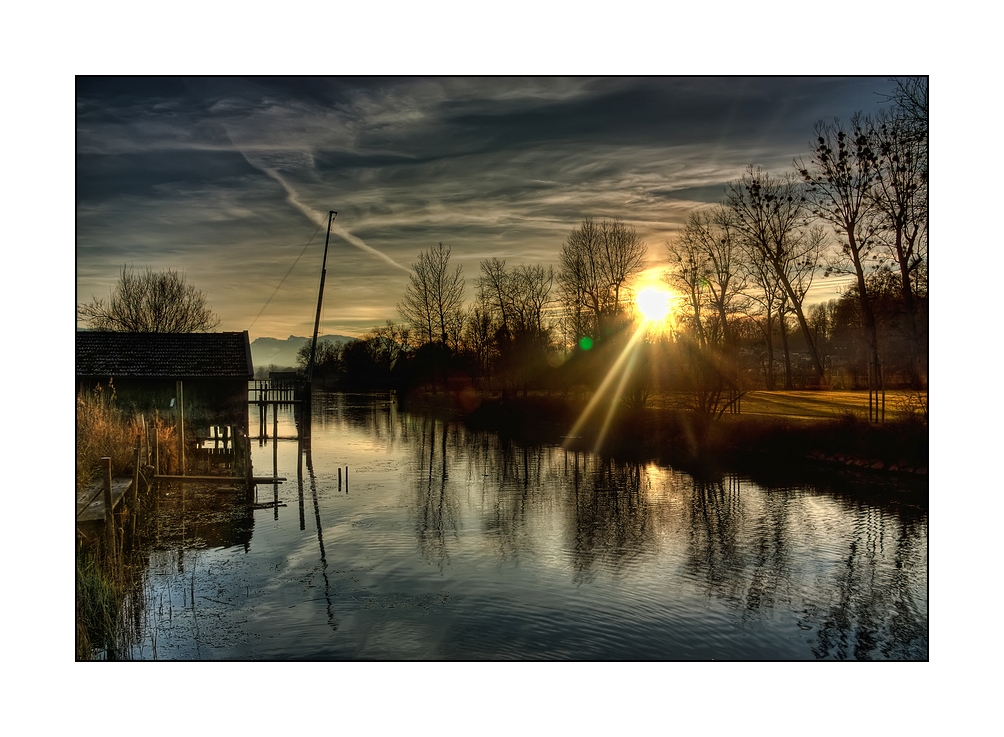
<point x="227" y="178"/>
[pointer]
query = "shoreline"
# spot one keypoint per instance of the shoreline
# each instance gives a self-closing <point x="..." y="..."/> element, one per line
<point x="768" y="444"/>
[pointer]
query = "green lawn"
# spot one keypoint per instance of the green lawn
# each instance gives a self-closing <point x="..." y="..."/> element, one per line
<point x="825" y="404"/>
<point x="899" y="404"/>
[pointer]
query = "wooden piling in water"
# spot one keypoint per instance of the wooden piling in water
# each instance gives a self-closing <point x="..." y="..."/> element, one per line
<point x="143" y="437"/>
<point x="134" y="492"/>
<point x="109" y="510"/>
<point x="275" y="445"/>
<point x="134" y="495"/>
<point x="181" y="428"/>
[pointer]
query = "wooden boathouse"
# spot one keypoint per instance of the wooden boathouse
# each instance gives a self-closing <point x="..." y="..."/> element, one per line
<point x="145" y="369"/>
<point x="197" y="382"/>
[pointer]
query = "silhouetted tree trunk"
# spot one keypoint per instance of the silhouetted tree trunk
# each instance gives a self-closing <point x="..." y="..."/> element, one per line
<point x="840" y="176"/>
<point x="770" y="215"/>
<point x="900" y="194"/>
<point x="596" y="261"/>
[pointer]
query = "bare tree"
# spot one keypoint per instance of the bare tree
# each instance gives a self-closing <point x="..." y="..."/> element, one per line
<point x="495" y="290"/>
<point x="150" y="302"/>
<point x="910" y="101"/>
<point x="479" y="337"/>
<point x="597" y="260"/>
<point x="689" y="271"/>
<point x="840" y="176"/>
<point x="900" y="194"/>
<point x="515" y="300"/>
<point x="765" y="308"/>
<point x="769" y="214"/>
<point x="434" y="298"/>
<point x="532" y="297"/>
<point x="390" y="342"/>
<point x="707" y="262"/>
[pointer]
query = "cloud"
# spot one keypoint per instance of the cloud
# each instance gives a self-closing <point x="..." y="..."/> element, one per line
<point x="220" y="176"/>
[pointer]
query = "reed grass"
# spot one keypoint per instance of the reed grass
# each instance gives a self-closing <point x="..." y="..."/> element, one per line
<point x="105" y="430"/>
<point x="102" y="431"/>
<point x="100" y="590"/>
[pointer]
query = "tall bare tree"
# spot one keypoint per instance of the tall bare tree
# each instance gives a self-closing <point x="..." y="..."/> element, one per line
<point x="766" y="297"/>
<point x="689" y="271"/>
<point x="515" y="300"/>
<point x="769" y="214"/>
<point x="910" y="100"/>
<point x="900" y="192"/>
<point x="801" y="264"/>
<point x="150" y="302"/>
<point x="434" y="298"/>
<point x="707" y="262"/>
<point x="596" y="262"/>
<point x="840" y="175"/>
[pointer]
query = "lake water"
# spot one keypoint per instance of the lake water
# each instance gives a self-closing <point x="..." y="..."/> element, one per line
<point x="452" y="544"/>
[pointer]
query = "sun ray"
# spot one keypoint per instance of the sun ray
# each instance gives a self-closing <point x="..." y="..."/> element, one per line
<point x="601" y="390"/>
<point x="615" y="397"/>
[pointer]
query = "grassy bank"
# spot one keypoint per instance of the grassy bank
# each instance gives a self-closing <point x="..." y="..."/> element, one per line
<point x="815" y="433"/>
<point x="102" y="577"/>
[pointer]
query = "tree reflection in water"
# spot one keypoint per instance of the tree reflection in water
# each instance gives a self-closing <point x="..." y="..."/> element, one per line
<point x="611" y="523"/>
<point x="436" y="505"/>
<point x="848" y="574"/>
<point x="840" y="571"/>
<point x="874" y="613"/>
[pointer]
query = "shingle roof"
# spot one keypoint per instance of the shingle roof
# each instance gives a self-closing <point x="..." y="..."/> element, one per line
<point x="164" y="355"/>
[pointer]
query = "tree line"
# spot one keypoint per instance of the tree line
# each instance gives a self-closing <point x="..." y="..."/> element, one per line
<point x="856" y="204"/>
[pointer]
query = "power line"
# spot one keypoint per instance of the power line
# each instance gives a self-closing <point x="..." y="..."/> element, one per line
<point x="283" y="280"/>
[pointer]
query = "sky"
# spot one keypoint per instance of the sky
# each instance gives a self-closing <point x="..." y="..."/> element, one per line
<point x="227" y="179"/>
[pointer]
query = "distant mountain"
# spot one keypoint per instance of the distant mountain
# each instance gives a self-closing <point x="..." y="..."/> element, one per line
<point x="273" y="351"/>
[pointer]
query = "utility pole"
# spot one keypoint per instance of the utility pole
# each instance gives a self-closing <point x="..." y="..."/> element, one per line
<point x="320" y="296"/>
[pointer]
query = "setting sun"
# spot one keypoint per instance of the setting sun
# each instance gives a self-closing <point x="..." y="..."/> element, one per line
<point x="653" y="303"/>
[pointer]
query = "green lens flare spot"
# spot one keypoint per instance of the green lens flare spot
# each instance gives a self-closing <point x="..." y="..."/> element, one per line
<point x="585" y="342"/>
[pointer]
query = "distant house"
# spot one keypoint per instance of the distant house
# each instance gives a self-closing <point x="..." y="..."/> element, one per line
<point x="145" y="368"/>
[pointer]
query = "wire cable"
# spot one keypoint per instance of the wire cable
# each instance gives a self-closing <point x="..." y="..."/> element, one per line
<point x="283" y="280"/>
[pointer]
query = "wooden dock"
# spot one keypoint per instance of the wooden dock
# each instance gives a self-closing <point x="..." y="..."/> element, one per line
<point x="91" y="501"/>
<point x="215" y="454"/>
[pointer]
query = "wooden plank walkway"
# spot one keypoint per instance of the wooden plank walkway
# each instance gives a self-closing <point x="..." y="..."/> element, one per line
<point x="91" y="501"/>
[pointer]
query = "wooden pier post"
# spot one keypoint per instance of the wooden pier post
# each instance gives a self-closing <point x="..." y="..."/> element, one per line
<point x="144" y="437"/>
<point x="298" y="427"/>
<point x="109" y="510"/>
<point x="134" y="496"/>
<point x="275" y="445"/>
<point x="134" y="493"/>
<point x="181" y="428"/>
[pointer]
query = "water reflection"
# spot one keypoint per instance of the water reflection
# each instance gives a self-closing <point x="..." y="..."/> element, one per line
<point x="877" y="610"/>
<point x="435" y="503"/>
<point x="332" y="621"/>
<point x="850" y="573"/>
<point x="187" y="516"/>
<point x="463" y="544"/>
